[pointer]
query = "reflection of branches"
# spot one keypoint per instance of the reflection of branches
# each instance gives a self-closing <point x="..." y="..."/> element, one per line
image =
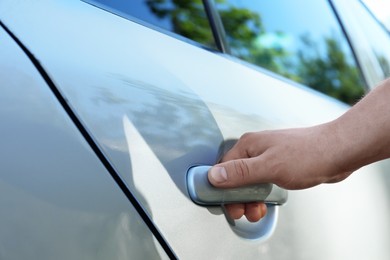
<point x="383" y="62"/>
<point x="158" y="115"/>
<point x="187" y="18"/>
<point x="244" y="31"/>
<point x="243" y="27"/>
<point x="330" y="72"/>
<point x="165" y="117"/>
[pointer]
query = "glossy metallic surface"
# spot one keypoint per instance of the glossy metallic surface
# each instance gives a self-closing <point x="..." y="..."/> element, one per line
<point x="57" y="201"/>
<point x="157" y="106"/>
<point x="204" y="194"/>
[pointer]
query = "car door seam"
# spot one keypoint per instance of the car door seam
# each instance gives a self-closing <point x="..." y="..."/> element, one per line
<point x="91" y="142"/>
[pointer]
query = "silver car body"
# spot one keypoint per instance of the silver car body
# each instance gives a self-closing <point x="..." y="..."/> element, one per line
<point x="154" y="105"/>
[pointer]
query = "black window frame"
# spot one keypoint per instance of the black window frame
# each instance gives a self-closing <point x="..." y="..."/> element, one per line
<point x="157" y="28"/>
<point x="219" y="34"/>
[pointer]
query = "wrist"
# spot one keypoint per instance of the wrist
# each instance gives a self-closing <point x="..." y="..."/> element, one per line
<point x="336" y="150"/>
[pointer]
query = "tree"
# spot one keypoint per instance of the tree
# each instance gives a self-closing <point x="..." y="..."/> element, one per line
<point x="330" y="73"/>
<point x="187" y="18"/>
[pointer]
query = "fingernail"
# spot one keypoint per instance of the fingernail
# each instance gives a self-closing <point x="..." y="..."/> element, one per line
<point x="218" y="174"/>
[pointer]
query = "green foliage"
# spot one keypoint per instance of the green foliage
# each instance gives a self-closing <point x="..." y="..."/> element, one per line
<point x="330" y="73"/>
<point x="187" y="18"/>
<point x="328" y="70"/>
<point x="243" y="29"/>
<point x="384" y="65"/>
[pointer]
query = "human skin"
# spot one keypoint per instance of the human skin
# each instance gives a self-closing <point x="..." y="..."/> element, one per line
<point x="301" y="158"/>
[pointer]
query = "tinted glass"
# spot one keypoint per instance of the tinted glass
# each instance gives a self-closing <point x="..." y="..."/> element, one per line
<point x="298" y="39"/>
<point x="187" y="18"/>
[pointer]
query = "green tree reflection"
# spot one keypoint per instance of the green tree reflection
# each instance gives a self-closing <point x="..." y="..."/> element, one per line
<point x="383" y="62"/>
<point x="188" y="18"/>
<point x="330" y="71"/>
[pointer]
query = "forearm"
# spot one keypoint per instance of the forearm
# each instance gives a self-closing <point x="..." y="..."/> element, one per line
<point x="362" y="135"/>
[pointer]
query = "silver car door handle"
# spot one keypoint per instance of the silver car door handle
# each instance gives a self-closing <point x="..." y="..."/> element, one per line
<point x="203" y="193"/>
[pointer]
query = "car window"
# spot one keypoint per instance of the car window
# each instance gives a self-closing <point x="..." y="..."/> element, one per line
<point x="300" y="40"/>
<point x="186" y="18"/>
<point x="377" y="37"/>
<point x="382" y="14"/>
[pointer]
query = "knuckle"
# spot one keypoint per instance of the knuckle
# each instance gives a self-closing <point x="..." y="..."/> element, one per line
<point x="246" y="137"/>
<point x="245" y="143"/>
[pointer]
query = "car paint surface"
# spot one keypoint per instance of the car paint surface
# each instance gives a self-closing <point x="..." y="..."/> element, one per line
<point x="51" y="208"/>
<point x="156" y="106"/>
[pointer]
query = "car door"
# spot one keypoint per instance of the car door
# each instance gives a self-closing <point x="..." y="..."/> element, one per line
<point x="50" y="208"/>
<point x="157" y="104"/>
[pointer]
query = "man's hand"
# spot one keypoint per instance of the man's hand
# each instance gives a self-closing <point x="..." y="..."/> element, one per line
<point x="304" y="157"/>
<point x="292" y="159"/>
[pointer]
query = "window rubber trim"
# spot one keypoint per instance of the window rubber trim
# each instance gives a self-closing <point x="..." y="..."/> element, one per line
<point x="375" y="17"/>
<point x="157" y="28"/>
<point x="96" y="149"/>
<point x="345" y="32"/>
<point x="217" y="27"/>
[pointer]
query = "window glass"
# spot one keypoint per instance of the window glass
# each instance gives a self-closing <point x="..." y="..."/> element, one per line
<point x="376" y="36"/>
<point x="187" y="18"/>
<point x="298" y="39"/>
<point x="382" y="14"/>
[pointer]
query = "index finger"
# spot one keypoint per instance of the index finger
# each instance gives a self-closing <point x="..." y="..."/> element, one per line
<point x="249" y="145"/>
<point x="234" y="151"/>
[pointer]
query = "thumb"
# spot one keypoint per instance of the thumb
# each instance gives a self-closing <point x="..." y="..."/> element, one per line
<point x="236" y="173"/>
